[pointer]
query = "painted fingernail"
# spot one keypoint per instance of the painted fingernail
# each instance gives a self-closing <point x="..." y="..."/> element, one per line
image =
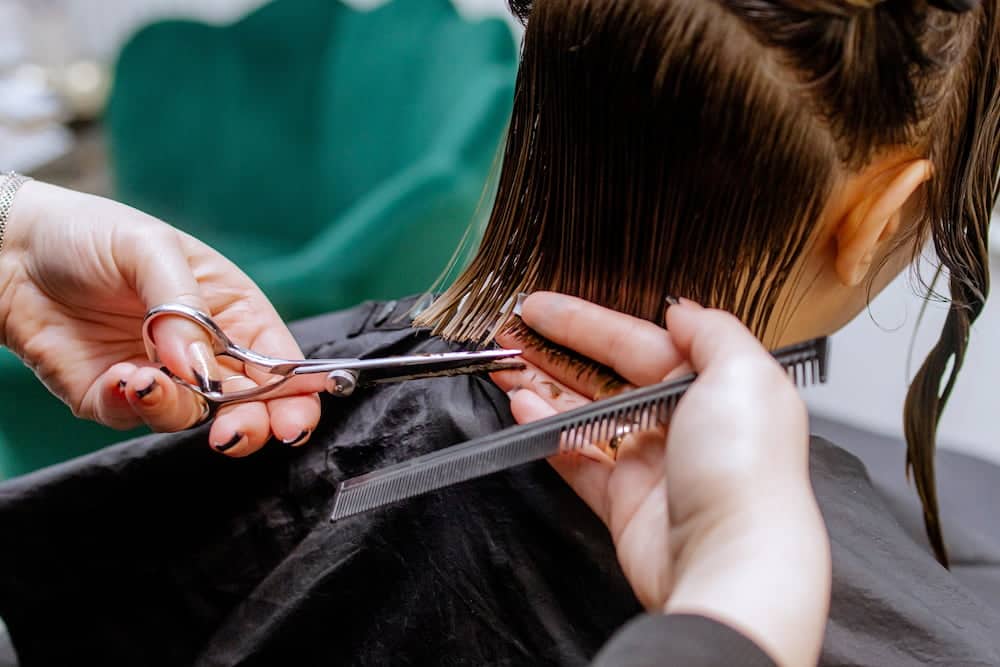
<point x="202" y="365"/>
<point x="141" y="394"/>
<point x="297" y="439"/>
<point x="519" y="304"/>
<point x="232" y="442"/>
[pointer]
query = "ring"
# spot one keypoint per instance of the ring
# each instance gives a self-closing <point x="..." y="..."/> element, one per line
<point x="614" y="445"/>
<point x="618" y="438"/>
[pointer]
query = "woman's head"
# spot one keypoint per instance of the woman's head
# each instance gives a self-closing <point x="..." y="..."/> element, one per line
<point x="781" y="159"/>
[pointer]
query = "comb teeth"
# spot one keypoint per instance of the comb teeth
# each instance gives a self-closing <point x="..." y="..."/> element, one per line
<point x="640" y="409"/>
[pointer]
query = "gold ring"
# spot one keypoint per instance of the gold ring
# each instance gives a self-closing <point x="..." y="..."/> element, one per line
<point x="618" y="438"/>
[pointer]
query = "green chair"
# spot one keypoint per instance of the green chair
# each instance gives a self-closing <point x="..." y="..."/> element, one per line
<point x="335" y="155"/>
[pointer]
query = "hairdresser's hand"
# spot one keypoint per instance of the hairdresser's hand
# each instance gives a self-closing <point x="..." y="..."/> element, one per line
<point x="717" y="518"/>
<point x="77" y="274"/>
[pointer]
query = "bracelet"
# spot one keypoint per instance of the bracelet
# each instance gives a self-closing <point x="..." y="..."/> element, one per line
<point x="11" y="183"/>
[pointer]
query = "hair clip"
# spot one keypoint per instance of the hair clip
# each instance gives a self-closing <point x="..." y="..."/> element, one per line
<point x="955" y="6"/>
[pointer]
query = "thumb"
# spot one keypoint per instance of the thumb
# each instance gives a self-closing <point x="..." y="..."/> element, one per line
<point x="705" y="337"/>
<point x="162" y="274"/>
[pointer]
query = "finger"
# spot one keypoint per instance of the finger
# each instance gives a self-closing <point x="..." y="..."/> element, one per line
<point x="242" y="429"/>
<point x="160" y="402"/>
<point x="638" y="468"/>
<point x="560" y="397"/>
<point x="159" y="269"/>
<point x="183" y="347"/>
<point x="706" y="337"/>
<point x="110" y="404"/>
<point x="293" y="420"/>
<point x="586" y="472"/>
<point x="292" y="417"/>
<point x="275" y="340"/>
<point x="586" y="380"/>
<point x="606" y="336"/>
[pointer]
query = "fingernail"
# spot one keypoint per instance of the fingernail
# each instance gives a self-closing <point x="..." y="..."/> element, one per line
<point x="141" y="394"/>
<point x="232" y="442"/>
<point x="672" y="301"/>
<point x="510" y="394"/>
<point x="297" y="439"/>
<point x="519" y="303"/>
<point x="202" y="365"/>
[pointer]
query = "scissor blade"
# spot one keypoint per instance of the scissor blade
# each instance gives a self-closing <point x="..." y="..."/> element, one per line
<point x="419" y="366"/>
<point x="369" y="378"/>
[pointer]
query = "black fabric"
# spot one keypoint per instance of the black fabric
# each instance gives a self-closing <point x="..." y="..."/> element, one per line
<point x="161" y="552"/>
<point x="659" y="640"/>
<point x="968" y="494"/>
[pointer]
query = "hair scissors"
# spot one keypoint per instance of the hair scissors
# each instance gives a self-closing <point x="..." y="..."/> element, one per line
<point x="343" y="376"/>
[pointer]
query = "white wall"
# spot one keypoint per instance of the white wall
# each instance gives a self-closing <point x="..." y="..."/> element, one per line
<point x="101" y="27"/>
<point x="869" y="373"/>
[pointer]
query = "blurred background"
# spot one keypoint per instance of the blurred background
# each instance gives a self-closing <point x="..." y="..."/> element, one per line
<point x="337" y="151"/>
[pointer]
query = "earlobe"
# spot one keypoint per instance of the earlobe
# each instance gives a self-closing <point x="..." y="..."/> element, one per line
<point x="875" y="219"/>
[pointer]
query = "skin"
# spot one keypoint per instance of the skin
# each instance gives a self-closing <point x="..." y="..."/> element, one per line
<point x="856" y="250"/>
<point x="718" y="517"/>
<point x="77" y="274"/>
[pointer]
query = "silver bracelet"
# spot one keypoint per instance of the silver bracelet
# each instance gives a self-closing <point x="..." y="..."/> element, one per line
<point x="11" y="183"/>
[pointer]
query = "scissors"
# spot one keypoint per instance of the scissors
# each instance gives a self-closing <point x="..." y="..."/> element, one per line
<point x="343" y="376"/>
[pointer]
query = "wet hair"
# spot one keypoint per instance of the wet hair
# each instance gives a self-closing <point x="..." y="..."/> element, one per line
<point x="688" y="147"/>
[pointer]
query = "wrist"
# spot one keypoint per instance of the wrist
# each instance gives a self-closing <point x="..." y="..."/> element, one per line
<point x="21" y="217"/>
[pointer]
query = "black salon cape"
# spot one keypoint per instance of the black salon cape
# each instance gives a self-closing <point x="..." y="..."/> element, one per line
<point x="162" y="552"/>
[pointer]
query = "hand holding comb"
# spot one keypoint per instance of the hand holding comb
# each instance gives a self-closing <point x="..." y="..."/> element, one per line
<point x="640" y="409"/>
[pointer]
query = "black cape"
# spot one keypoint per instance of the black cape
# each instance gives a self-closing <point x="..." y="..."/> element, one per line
<point x="161" y="552"/>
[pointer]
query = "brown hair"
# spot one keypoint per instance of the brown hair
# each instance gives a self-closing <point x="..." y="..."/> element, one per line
<point x="658" y="145"/>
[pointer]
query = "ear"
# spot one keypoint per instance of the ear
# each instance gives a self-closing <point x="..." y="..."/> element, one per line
<point x="876" y="218"/>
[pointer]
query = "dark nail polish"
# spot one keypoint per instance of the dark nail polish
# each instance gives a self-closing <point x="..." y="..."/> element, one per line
<point x="297" y="439"/>
<point x="233" y="441"/>
<point x="146" y="391"/>
<point x="213" y="386"/>
<point x="203" y="367"/>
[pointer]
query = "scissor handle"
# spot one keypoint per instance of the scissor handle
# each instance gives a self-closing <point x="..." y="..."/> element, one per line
<point x="221" y="344"/>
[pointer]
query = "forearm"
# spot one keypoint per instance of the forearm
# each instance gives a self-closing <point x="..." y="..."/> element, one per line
<point x="766" y="573"/>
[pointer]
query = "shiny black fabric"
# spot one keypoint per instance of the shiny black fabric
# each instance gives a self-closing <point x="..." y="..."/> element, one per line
<point x="161" y="552"/>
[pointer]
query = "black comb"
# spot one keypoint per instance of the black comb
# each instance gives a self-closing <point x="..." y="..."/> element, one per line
<point x="639" y="409"/>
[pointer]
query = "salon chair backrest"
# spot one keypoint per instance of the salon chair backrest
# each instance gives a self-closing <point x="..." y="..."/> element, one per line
<point x="336" y="155"/>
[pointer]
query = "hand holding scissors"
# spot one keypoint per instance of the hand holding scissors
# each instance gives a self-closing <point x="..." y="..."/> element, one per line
<point x="78" y="274"/>
<point x="339" y="377"/>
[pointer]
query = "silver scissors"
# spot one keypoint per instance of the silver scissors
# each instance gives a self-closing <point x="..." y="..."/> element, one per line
<point x="343" y="376"/>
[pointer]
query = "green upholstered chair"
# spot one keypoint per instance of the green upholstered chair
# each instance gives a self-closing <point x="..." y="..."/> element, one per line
<point x="335" y="155"/>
